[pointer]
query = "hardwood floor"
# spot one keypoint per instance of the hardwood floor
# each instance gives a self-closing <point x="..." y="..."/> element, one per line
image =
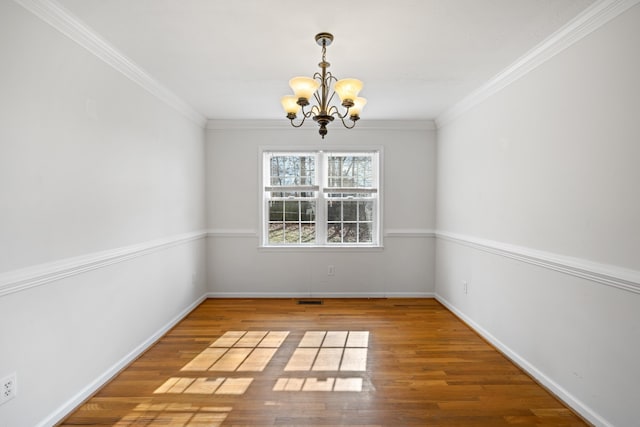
<point x="273" y="362"/>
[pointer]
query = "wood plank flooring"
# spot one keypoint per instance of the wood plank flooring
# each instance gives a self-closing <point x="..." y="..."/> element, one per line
<point x="352" y="362"/>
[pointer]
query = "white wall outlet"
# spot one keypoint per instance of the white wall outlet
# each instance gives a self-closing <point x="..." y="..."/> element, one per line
<point x="465" y="287"/>
<point x="331" y="270"/>
<point x="8" y="388"/>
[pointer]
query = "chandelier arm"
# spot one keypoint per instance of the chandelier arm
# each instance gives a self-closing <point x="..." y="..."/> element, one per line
<point x="318" y="100"/>
<point x="333" y="111"/>
<point x="307" y="114"/>
<point x="304" y="117"/>
<point x="336" y="112"/>
<point x="314" y="111"/>
<point x="345" y="124"/>
<point x="331" y="97"/>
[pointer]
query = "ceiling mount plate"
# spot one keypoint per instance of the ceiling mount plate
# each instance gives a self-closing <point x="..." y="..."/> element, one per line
<point x="324" y="39"/>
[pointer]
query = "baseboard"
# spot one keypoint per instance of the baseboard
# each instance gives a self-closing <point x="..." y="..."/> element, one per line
<point x="103" y="379"/>
<point x="577" y="405"/>
<point x="321" y="295"/>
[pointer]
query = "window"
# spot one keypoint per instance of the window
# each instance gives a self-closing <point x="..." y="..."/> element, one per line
<point x="320" y="198"/>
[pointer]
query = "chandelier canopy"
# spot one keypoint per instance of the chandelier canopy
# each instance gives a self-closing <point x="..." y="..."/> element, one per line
<point x="323" y="111"/>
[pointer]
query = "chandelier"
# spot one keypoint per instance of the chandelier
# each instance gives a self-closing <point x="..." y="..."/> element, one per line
<point x="319" y="86"/>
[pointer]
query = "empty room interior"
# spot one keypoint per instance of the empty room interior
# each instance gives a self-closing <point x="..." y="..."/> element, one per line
<point x="176" y="249"/>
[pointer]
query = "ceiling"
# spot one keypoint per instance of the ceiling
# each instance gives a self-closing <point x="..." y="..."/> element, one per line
<point x="232" y="59"/>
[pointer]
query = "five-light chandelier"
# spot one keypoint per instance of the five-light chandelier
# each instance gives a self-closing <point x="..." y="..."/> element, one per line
<point x="319" y="86"/>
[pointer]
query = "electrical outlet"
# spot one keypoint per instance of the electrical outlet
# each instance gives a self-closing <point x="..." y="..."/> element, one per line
<point x="465" y="287"/>
<point x="8" y="388"/>
<point x="331" y="270"/>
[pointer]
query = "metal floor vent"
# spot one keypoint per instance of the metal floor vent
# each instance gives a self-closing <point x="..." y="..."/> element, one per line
<point x="310" y="302"/>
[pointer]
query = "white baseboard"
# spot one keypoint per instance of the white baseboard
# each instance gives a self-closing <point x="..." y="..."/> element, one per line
<point x="96" y="384"/>
<point x="321" y="295"/>
<point x="562" y="394"/>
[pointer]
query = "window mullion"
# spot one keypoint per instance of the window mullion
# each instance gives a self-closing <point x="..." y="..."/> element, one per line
<point x="321" y="209"/>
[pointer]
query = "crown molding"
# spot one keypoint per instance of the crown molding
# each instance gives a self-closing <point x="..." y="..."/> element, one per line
<point x="55" y="15"/>
<point x="592" y="18"/>
<point x="395" y="125"/>
<point x="605" y="274"/>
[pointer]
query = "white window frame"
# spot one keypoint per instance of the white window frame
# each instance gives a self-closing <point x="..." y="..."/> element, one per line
<point x="321" y="188"/>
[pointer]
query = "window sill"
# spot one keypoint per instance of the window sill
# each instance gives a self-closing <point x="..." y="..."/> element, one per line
<point x="317" y="248"/>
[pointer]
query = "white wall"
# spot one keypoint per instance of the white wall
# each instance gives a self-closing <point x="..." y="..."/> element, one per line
<point x="101" y="193"/>
<point x="546" y="171"/>
<point x="238" y="267"/>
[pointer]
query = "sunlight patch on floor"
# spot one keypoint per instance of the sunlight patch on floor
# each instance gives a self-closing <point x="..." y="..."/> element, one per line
<point x="353" y="384"/>
<point x="177" y="385"/>
<point x="330" y="351"/>
<point x="175" y="415"/>
<point x="238" y="351"/>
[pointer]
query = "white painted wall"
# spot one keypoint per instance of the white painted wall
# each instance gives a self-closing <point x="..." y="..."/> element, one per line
<point x="237" y="266"/>
<point x="550" y="164"/>
<point x="89" y="162"/>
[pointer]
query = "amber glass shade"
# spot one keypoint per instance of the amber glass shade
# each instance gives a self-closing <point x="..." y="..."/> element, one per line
<point x="289" y="103"/>
<point x="304" y="87"/>
<point x="348" y="89"/>
<point x="358" y="105"/>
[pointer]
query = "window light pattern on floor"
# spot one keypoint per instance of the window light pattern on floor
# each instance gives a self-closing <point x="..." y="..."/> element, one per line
<point x="331" y="351"/>
<point x="239" y="351"/>
<point x="177" y="385"/>
<point x="175" y="415"/>
<point x="251" y="351"/>
<point x="316" y="384"/>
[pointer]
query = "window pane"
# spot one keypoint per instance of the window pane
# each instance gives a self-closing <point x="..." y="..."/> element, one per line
<point x="308" y="233"/>
<point x="365" y="211"/>
<point x="350" y="233"/>
<point x="276" y="233"/>
<point x="276" y="211"/>
<point x="349" y="212"/>
<point x="291" y="210"/>
<point x="307" y="211"/>
<point x="350" y="171"/>
<point x="334" y="233"/>
<point x="364" y="233"/>
<point x="291" y="232"/>
<point x="292" y="170"/>
<point x="334" y="211"/>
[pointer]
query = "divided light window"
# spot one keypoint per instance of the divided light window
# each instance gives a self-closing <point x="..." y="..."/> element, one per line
<point x="320" y="198"/>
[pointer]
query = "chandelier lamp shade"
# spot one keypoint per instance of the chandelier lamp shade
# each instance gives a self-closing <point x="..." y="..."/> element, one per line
<point x="320" y="90"/>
